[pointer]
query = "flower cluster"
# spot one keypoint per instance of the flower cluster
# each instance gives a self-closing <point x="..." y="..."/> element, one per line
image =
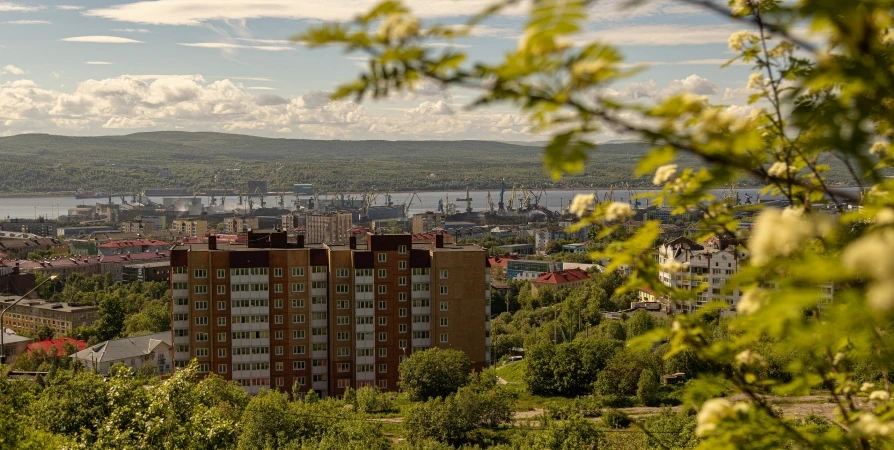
<point x="618" y="211"/>
<point x="873" y="256"/>
<point x="581" y="204"/>
<point x="664" y="173"/>
<point x="715" y="411"/>
<point x="781" y="233"/>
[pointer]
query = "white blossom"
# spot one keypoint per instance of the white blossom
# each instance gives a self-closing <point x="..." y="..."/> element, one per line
<point x="581" y="204"/>
<point x="880" y="295"/>
<point x="872" y="254"/>
<point x="711" y="413"/>
<point x="664" y="173"/>
<point x="869" y="424"/>
<point x="778" y="233"/>
<point x="674" y="266"/>
<point x="738" y="39"/>
<point x="879" y="149"/>
<point x="755" y="81"/>
<point x="867" y="386"/>
<point x="779" y="169"/>
<point x="879" y="396"/>
<point x="751" y="301"/>
<point x="748" y="357"/>
<point x="884" y="216"/>
<point x="398" y="26"/>
<point x="618" y="211"/>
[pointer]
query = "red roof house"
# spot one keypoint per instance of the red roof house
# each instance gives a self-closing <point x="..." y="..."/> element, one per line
<point x="59" y="344"/>
<point x="561" y="279"/>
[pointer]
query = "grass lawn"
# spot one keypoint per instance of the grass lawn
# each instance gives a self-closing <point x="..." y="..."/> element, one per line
<point x="514" y="372"/>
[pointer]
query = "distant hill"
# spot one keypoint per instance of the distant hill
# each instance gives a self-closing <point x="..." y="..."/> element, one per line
<point x="42" y="163"/>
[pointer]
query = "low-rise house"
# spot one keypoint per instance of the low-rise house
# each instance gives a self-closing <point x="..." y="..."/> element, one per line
<point x="530" y="269"/>
<point x="134" y="246"/>
<point x="28" y="316"/>
<point x="498" y="266"/>
<point x="14" y="345"/>
<point x="562" y="279"/>
<point x="134" y="352"/>
<point x="116" y="264"/>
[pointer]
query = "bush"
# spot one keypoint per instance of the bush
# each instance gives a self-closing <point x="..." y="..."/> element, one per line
<point x="648" y="389"/>
<point x="371" y="400"/>
<point x="615" y="419"/>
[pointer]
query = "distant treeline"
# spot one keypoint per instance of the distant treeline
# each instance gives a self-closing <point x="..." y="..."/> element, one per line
<point x="40" y="163"/>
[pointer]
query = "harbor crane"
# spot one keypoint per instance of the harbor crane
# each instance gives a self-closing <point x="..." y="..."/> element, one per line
<point x="536" y="197"/>
<point x="500" y="204"/>
<point x="213" y="200"/>
<point x="409" y="202"/>
<point x="123" y="199"/>
<point x="468" y="200"/>
<point x="511" y="198"/>
<point x="490" y="203"/>
<point x="282" y="201"/>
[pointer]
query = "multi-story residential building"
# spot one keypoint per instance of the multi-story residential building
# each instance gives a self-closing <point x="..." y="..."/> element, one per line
<point x="134" y="246"/>
<point x="19" y="245"/>
<point x="40" y="227"/>
<point x="239" y="224"/>
<point x="530" y="269"/>
<point x="190" y="227"/>
<point x="273" y="314"/>
<point x="138" y="226"/>
<point x="329" y="228"/>
<point x="151" y="271"/>
<point x="30" y="315"/>
<point x="427" y="221"/>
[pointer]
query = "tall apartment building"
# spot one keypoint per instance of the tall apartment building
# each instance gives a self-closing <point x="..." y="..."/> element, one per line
<point x="427" y="221"/>
<point x="40" y="227"/>
<point x="190" y="227"/>
<point x="138" y="226"/>
<point x="239" y="224"/>
<point x="271" y="314"/>
<point x="329" y="228"/>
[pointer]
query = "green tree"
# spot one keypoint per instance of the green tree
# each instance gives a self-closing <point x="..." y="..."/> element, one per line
<point x="639" y="323"/>
<point x="648" y="388"/>
<point x="44" y="332"/>
<point x="622" y="372"/>
<point x="434" y="373"/>
<point x="267" y="423"/>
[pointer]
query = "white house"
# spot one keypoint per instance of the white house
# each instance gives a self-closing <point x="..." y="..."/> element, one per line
<point x="133" y="352"/>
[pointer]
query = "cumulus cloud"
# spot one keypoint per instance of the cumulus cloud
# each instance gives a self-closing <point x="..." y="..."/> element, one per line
<point x="229" y="46"/>
<point x="193" y="102"/>
<point x="662" y="35"/>
<point x="693" y="84"/>
<point x="102" y="40"/>
<point x="428" y="108"/>
<point x="28" y="22"/>
<point x="98" y="63"/>
<point x="260" y="88"/>
<point x="11" y="69"/>
<point x="69" y="7"/>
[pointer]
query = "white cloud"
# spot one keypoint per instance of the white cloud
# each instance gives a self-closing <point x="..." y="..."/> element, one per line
<point x="445" y="45"/>
<point x="18" y="7"/>
<point x="662" y="35"/>
<point x="687" y="62"/>
<point x="98" y="63"/>
<point x="69" y="7"/>
<point x="228" y="46"/>
<point x="28" y="22"/>
<point x="268" y="41"/>
<point x="131" y="30"/>
<point x="261" y="88"/>
<point x="649" y="89"/>
<point x="191" y="102"/>
<point x="250" y="78"/>
<point x="11" y="69"/>
<point x="102" y="40"/>
<point x="429" y="108"/>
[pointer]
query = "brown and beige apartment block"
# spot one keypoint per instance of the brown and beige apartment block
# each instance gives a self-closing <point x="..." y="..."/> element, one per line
<point x="272" y="314"/>
<point x="190" y="227"/>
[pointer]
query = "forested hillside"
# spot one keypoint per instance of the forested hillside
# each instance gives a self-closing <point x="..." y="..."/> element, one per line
<point x="40" y="163"/>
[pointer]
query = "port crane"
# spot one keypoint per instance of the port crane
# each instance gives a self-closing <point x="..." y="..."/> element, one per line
<point x="409" y="202"/>
<point x="490" y="203"/>
<point x="468" y="200"/>
<point x="500" y="204"/>
<point x="282" y="201"/>
<point x="536" y="197"/>
<point x="511" y="198"/>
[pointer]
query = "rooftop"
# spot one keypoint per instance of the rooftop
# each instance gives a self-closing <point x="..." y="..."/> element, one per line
<point x="563" y="276"/>
<point x="46" y="305"/>
<point x="58" y="344"/>
<point x="118" y="349"/>
<point x="134" y="243"/>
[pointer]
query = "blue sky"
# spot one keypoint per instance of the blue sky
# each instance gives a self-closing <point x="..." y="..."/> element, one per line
<point x="117" y="67"/>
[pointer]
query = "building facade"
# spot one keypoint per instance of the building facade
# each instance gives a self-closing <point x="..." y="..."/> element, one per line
<point x="30" y="315"/>
<point x="40" y="227"/>
<point x="329" y="228"/>
<point x="239" y="224"/>
<point x="427" y="221"/>
<point x="530" y="269"/>
<point x="190" y="227"/>
<point x="326" y="317"/>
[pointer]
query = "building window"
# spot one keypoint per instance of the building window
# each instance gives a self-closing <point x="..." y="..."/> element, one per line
<point x="297" y="303"/>
<point x="297" y="365"/>
<point x="342" y="335"/>
<point x="364" y="320"/>
<point x="319" y="316"/>
<point x="443" y="338"/>
<point x="401" y="296"/>
<point x="443" y="274"/>
<point x="383" y="368"/>
<point x="201" y="289"/>
<point x="277" y="303"/>
<point x="443" y="321"/>
<point x="277" y="335"/>
<point x="341" y="289"/>
<point x="297" y="271"/>
<point x="319" y="331"/>
<point x="383" y="273"/>
<point x="201" y="273"/>
<point x="277" y="319"/>
<point x="221" y="353"/>
<point x="342" y="304"/>
<point x="443" y="290"/>
<point x="277" y="272"/>
<point x="318" y="269"/>
<point x="383" y="289"/>
<point x="383" y="384"/>
<point x="402" y="344"/>
<point x="221" y="321"/>
<point x="402" y="312"/>
<point x="298" y="334"/>
<point x="221" y="273"/>
<point x="383" y="352"/>
<point x="402" y="281"/>
<point x="344" y="367"/>
<point x="344" y="351"/>
<point x="277" y="288"/>
<point x="383" y="336"/>
<point x="297" y="287"/>
<point x="297" y="318"/>
<point x="383" y="321"/>
<point x="382" y="257"/>
<point x="278" y="350"/>
<point x="221" y="289"/>
<point x="297" y="349"/>
<point x="342" y="320"/>
<point x="221" y="337"/>
<point x="202" y="305"/>
<point x="402" y="265"/>
<point x="342" y="273"/>
<point x="222" y="306"/>
<point x="200" y="321"/>
<point x="443" y="306"/>
<point x="201" y="353"/>
<point x="402" y="328"/>
<point x="402" y="249"/>
<point x="203" y="368"/>
<point x="383" y="305"/>
<point x="221" y="368"/>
